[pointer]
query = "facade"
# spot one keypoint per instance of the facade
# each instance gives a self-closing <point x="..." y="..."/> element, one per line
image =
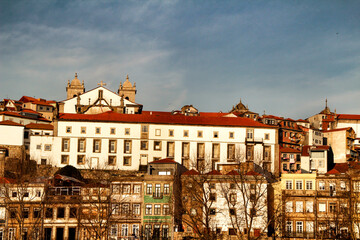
<point x="341" y="141"/>
<point x="317" y="158"/>
<point x="128" y="141"/>
<point x="290" y="160"/>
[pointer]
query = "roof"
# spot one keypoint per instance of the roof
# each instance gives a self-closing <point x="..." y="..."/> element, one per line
<point x="6" y="180"/>
<point x="339" y="168"/>
<point x="272" y="116"/>
<point x="165" y="160"/>
<point x="337" y="129"/>
<point x="305" y="149"/>
<point x="39" y="101"/>
<point x="233" y="172"/>
<point x="16" y="114"/>
<point x="10" y="123"/>
<point x="163" y="119"/>
<point x="30" y="111"/>
<point x="348" y="116"/>
<point x="289" y="150"/>
<point x="253" y="173"/>
<point x="39" y="126"/>
<point x="191" y="172"/>
<point x="302" y="120"/>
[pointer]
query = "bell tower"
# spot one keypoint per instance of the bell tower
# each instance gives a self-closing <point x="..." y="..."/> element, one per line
<point x="127" y="90"/>
<point x="75" y="87"/>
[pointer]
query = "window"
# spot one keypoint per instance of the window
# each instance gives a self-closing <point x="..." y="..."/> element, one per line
<point x="125" y="209"/>
<point x="343" y="186"/>
<point x="135" y="230"/>
<point x="212" y="211"/>
<point x="81" y="159"/>
<point x="137" y="188"/>
<point x="267" y="136"/>
<point x="12" y="232"/>
<point x="321" y="163"/>
<point x="68" y="129"/>
<point x="136" y="209"/>
<point x="232" y="198"/>
<point x="81" y="145"/>
<point x="60" y="213"/>
<point x="36" y="213"/>
<point x="332" y="207"/>
<point x="127" y="131"/>
<point x="127" y="146"/>
<point x="157" y="209"/>
<point x="97" y="130"/>
<point x="112" y="160"/>
<point x="96" y="145"/>
<point x="166" y="209"/>
<point x="321" y="185"/>
<point x="127" y="161"/>
<point x="149" y="189"/>
<point x="216" y="134"/>
<point x="200" y="134"/>
<point x="47" y="147"/>
<point x="112" y="146"/>
<point x="309" y="206"/>
<point x="216" y="150"/>
<point x="144" y="145"/>
<point x="25" y="213"/>
<point x="232" y="186"/>
<point x="83" y="130"/>
<point x="124" y="230"/>
<point x="299" y="185"/>
<point x="170" y="149"/>
<point x="231" y="135"/>
<point x="322" y="207"/>
<point x="64" y="159"/>
<point x="267" y="153"/>
<point x="148" y="209"/>
<point x="299" y="206"/>
<point x="249" y="152"/>
<point x="38" y="147"/>
<point x="165" y="231"/>
<point x="231" y="151"/>
<point x="185" y="149"/>
<point x="171" y="132"/>
<point x="212" y="197"/>
<point x="66" y="145"/>
<point x="309" y="185"/>
<point x="200" y="150"/>
<point x="73" y="212"/>
<point x="166" y="188"/>
<point x="186" y="133"/>
<point x="48" y="213"/>
<point x="289" y="226"/>
<point x="157" y="132"/>
<point x="157" y="145"/>
<point x="299" y="227"/>
<point x="250" y="134"/>
<point x="232" y="231"/>
<point x="289" y="206"/>
<point x="232" y="211"/>
<point x="112" y="131"/>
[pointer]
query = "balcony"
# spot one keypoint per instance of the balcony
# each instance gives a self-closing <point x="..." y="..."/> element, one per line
<point x="63" y="191"/>
<point x="158" y="195"/>
<point x="293" y="193"/>
<point x="255" y="140"/>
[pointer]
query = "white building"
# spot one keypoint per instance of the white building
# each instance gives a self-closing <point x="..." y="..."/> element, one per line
<point x="126" y="141"/>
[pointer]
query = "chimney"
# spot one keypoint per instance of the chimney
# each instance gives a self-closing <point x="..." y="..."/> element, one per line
<point x="2" y="162"/>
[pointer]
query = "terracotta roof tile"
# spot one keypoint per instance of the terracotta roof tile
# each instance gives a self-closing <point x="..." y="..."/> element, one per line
<point x="349" y="116"/>
<point x="336" y="130"/>
<point x="39" y="126"/>
<point x="164" y="160"/>
<point x="289" y="150"/>
<point x="253" y="173"/>
<point x="214" y="172"/>
<point x="164" y="119"/>
<point x="233" y="172"/>
<point x="11" y="123"/>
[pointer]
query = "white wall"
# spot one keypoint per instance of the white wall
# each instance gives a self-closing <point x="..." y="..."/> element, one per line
<point x="11" y="135"/>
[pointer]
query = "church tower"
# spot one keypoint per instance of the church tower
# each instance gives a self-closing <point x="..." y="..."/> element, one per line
<point x="75" y="87"/>
<point x="127" y="90"/>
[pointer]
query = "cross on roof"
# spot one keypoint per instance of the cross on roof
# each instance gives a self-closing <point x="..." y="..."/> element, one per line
<point x="102" y="84"/>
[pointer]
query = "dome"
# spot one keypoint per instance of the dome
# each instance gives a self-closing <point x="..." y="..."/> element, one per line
<point x="75" y="81"/>
<point x="127" y="83"/>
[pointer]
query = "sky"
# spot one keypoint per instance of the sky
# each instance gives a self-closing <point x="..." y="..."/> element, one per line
<point x="281" y="57"/>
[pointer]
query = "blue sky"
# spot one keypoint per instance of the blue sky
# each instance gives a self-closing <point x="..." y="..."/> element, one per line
<point x="284" y="57"/>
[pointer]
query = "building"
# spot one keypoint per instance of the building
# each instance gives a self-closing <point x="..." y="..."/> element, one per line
<point x="290" y="160"/>
<point x="341" y="141"/>
<point x="318" y="159"/>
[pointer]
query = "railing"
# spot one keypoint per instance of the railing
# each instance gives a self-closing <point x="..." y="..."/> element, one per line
<point x="64" y="191"/>
<point x="158" y="195"/>
<point x="304" y="235"/>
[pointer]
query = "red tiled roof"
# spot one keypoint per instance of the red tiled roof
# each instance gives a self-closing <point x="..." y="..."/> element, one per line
<point x="213" y="114"/>
<point x="191" y="172"/>
<point x="349" y="116"/>
<point x="289" y="150"/>
<point x="214" y="172"/>
<point x="289" y="119"/>
<point x="164" y="119"/>
<point x="336" y="130"/>
<point x="302" y="120"/>
<point x="30" y="111"/>
<point x="39" y="126"/>
<point x="305" y="149"/>
<point x="11" y="123"/>
<point x="15" y="114"/>
<point x="6" y="180"/>
<point x="272" y="116"/>
<point x="253" y="173"/>
<point x="39" y="101"/>
<point x="164" y="160"/>
<point x="233" y="172"/>
<point x="339" y="168"/>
